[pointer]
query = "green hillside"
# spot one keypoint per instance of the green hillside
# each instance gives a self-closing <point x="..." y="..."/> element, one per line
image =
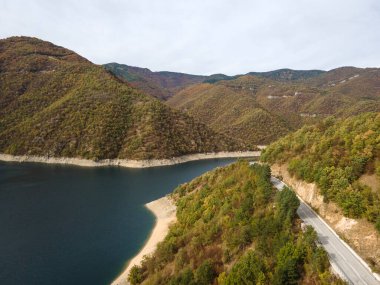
<point x="336" y="154"/>
<point x="234" y="228"/>
<point x="55" y="103"/>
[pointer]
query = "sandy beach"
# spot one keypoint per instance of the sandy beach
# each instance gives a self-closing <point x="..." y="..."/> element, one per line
<point x="165" y="212"/>
<point x="126" y="162"/>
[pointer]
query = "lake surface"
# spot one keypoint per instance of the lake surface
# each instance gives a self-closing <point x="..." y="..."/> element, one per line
<point x="72" y="225"/>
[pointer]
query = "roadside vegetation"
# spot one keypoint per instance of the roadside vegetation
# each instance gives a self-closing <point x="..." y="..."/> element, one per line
<point x="234" y="228"/>
<point x="335" y="154"/>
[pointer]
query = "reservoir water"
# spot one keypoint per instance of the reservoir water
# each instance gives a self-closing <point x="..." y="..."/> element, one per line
<point x="72" y="225"/>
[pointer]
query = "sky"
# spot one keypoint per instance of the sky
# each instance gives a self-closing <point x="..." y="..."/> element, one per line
<point x="205" y="36"/>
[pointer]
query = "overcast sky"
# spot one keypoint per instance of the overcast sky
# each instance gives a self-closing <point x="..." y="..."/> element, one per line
<point x="205" y="37"/>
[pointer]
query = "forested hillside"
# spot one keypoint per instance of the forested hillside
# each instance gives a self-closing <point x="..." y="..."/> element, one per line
<point x="342" y="157"/>
<point x="261" y="108"/>
<point x="234" y="228"/>
<point x="229" y="109"/>
<point x="55" y="103"/>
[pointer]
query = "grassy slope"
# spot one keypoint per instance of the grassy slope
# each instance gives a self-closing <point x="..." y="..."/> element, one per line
<point x="234" y="228"/>
<point x="54" y="102"/>
<point x="335" y="154"/>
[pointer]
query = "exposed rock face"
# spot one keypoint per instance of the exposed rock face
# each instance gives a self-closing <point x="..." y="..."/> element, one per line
<point x="358" y="233"/>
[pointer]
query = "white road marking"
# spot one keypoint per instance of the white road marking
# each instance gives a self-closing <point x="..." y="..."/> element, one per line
<point x="342" y="255"/>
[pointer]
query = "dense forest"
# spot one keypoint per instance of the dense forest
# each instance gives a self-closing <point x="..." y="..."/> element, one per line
<point x="335" y="154"/>
<point x="233" y="227"/>
<point x="54" y="102"/>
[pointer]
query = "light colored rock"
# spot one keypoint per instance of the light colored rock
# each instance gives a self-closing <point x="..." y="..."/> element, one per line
<point x="345" y="224"/>
<point x="127" y="162"/>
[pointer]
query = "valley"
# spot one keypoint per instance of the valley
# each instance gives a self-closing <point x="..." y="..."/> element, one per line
<point x="316" y="130"/>
<point x="260" y="107"/>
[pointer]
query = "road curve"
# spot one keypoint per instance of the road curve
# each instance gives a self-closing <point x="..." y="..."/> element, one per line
<point x="342" y="258"/>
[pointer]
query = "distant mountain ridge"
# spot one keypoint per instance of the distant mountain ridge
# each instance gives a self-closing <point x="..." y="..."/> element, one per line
<point x="286" y="74"/>
<point x="161" y="84"/>
<point x="260" y="110"/>
<point x="56" y="103"/>
<point x="260" y="107"/>
<point x="164" y="84"/>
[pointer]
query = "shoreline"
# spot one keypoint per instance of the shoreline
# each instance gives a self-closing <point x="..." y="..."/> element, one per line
<point x="165" y="214"/>
<point x="130" y="163"/>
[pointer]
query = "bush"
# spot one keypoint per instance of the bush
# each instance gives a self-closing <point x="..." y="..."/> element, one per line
<point x="205" y="273"/>
<point x="377" y="225"/>
<point x="288" y="203"/>
<point x="135" y="275"/>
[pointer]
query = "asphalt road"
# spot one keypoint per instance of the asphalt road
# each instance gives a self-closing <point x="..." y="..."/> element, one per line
<point x="345" y="262"/>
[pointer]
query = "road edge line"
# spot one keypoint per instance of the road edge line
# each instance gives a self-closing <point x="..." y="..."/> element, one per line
<point x="377" y="277"/>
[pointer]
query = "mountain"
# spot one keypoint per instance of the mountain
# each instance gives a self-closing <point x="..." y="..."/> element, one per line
<point x="218" y="77"/>
<point x="341" y="92"/>
<point x="54" y="102"/>
<point x="161" y="84"/>
<point x="234" y="228"/>
<point x="227" y="107"/>
<point x="335" y="76"/>
<point x="165" y="84"/>
<point x="260" y="110"/>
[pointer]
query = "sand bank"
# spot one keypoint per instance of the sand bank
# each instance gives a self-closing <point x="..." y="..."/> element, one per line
<point x="165" y="212"/>
<point x="127" y="162"/>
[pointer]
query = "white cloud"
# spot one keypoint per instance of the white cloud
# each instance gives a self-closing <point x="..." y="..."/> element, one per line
<point x="204" y="37"/>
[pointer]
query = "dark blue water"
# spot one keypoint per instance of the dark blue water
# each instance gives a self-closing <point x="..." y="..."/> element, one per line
<point x="72" y="225"/>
